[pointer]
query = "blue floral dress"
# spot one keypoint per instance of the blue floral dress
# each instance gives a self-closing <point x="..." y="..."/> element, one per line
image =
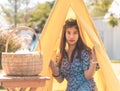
<point x="73" y="72"/>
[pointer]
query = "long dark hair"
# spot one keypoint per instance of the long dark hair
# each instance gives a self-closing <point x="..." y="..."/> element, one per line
<point x="79" y="46"/>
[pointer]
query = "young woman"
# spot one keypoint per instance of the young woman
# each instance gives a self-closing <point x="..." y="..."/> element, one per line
<point x="77" y="62"/>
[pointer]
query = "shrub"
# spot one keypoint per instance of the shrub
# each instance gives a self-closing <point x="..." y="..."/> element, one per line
<point x="13" y="44"/>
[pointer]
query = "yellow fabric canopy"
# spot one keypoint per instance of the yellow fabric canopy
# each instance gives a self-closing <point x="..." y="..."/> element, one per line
<point x="105" y="78"/>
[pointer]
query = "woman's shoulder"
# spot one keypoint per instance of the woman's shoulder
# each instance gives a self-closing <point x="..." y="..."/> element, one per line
<point x="85" y="53"/>
<point x="86" y="50"/>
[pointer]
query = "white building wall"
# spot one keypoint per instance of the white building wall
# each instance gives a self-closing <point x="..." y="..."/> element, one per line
<point x="108" y="42"/>
<point x="110" y="37"/>
<point x="116" y="42"/>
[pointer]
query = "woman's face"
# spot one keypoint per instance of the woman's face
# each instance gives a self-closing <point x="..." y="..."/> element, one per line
<point x="71" y="36"/>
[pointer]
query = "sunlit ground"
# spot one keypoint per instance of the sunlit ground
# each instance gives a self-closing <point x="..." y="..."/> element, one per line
<point x="116" y="67"/>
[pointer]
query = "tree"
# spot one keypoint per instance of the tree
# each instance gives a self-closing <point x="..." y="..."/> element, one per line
<point x="35" y="16"/>
<point x="25" y="13"/>
<point x="98" y="7"/>
<point x="39" y="15"/>
<point x="113" y="14"/>
<point x="11" y="11"/>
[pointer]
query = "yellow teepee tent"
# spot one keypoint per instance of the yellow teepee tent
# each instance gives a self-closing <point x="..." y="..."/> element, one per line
<point x="105" y="78"/>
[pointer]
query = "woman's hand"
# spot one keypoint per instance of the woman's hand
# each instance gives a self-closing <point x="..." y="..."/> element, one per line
<point x="55" y="71"/>
<point x="94" y="59"/>
<point x="54" y="68"/>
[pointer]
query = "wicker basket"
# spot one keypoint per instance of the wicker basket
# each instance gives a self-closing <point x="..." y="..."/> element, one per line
<point x="22" y="64"/>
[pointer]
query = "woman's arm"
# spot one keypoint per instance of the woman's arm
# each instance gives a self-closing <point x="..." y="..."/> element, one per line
<point x="56" y="72"/>
<point x="92" y="68"/>
<point x="90" y="72"/>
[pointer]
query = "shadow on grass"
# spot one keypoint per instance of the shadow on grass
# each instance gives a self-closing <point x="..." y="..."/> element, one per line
<point x="1" y="88"/>
<point x="115" y="61"/>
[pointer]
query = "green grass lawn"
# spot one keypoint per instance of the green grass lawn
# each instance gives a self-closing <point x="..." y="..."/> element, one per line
<point x="115" y="61"/>
<point x="1" y="88"/>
